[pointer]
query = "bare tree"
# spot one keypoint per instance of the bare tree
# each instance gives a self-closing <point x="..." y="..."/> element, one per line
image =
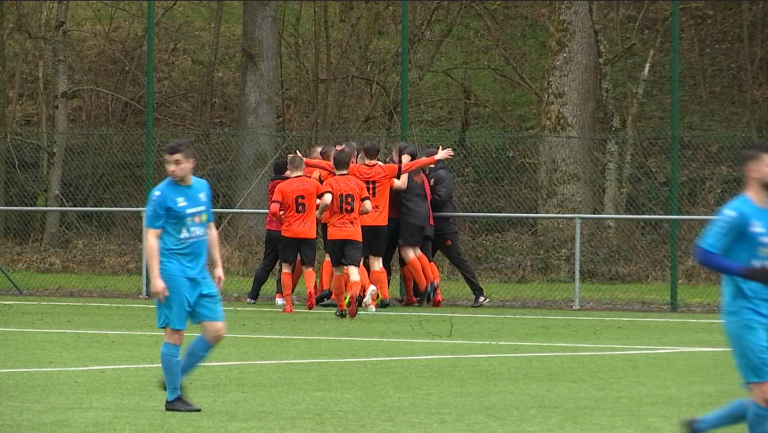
<point x="568" y="113"/>
<point x="210" y="67"/>
<point x="60" y="121"/>
<point x="3" y="141"/>
<point x="257" y="115"/>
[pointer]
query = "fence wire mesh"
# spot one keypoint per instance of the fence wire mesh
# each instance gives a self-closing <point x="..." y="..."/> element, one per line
<point x="625" y="264"/>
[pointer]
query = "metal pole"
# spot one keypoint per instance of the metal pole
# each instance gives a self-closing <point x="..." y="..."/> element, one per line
<point x="150" y="98"/>
<point x="577" y="264"/>
<point x="403" y="88"/>
<point x="144" y="291"/>
<point x="675" y="148"/>
<point x="13" y="283"/>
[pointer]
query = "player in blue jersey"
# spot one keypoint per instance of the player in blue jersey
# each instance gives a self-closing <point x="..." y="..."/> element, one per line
<point x="736" y="245"/>
<point x="181" y="238"/>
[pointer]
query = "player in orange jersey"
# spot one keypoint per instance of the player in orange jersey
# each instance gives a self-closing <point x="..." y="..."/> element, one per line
<point x="298" y="195"/>
<point x="346" y="199"/>
<point x="377" y="178"/>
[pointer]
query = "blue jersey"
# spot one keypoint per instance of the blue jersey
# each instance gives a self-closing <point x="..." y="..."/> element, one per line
<point x="182" y="212"/>
<point x="740" y="234"/>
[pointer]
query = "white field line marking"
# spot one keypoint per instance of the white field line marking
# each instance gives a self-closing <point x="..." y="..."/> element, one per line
<point x="388" y="340"/>
<point x="394" y="358"/>
<point x="395" y="313"/>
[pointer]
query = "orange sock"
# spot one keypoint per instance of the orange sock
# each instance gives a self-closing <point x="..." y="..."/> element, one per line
<point x="338" y="291"/>
<point x="435" y="272"/>
<point x="364" y="280"/>
<point x="418" y="273"/>
<point x="424" y="262"/>
<point x="379" y="279"/>
<point x="405" y="274"/>
<point x="296" y="274"/>
<point x="326" y="275"/>
<point x="285" y="281"/>
<point x="346" y="277"/>
<point x="309" y="280"/>
<point x="354" y="288"/>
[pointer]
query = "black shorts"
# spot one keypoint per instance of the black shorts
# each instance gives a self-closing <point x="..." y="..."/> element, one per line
<point x="374" y="241"/>
<point x="411" y="235"/>
<point x="426" y="248"/>
<point x="324" y="233"/>
<point x="345" y="253"/>
<point x="292" y="247"/>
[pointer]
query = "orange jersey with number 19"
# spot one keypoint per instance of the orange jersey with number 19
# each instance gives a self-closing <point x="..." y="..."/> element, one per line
<point x="377" y="178"/>
<point x="347" y="197"/>
<point x="299" y="195"/>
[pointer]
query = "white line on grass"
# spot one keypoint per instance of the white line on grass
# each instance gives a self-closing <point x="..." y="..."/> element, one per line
<point x="395" y="313"/>
<point x="389" y="340"/>
<point x="394" y="358"/>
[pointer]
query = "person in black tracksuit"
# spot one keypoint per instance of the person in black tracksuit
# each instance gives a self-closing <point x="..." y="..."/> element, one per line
<point x="272" y="239"/>
<point x="446" y="237"/>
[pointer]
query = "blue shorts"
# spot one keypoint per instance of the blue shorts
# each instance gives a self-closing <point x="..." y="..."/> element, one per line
<point x="749" y="341"/>
<point x="196" y="299"/>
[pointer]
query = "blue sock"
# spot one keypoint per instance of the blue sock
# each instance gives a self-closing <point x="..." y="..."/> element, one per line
<point x="733" y="413"/>
<point x="169" y="359"/>
<point x="196" y="352"/>
<point x="757" y="418"/>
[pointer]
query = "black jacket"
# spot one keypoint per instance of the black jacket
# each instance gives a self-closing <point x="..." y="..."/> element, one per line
<point x="441" y="187"/>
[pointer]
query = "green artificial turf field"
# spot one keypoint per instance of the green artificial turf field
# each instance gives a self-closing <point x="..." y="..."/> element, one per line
<point x="70" y="367"/>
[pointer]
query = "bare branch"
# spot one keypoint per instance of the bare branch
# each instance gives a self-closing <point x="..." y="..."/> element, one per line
<point x="493" y="32"/>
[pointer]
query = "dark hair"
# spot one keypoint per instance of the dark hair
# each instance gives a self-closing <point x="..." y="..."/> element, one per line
<point x="179" y="146"/>
<point x="429" y="153"/>
<point x="341" y="160"/>
<point x="407" y="149"/>
<point x="327" y="152"/>
<point x="279" y="167"/>
<point x="371" y="150"/>
<point x="352" y="147"/>
<point x="753" y="152"/>
<point x="296" y="163"/>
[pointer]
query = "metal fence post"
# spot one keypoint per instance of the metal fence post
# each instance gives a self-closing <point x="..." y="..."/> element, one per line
<point x="143" y="255"/>
<point x="577" y="263"/>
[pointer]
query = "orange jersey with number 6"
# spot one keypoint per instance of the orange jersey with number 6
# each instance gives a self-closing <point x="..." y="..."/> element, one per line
<point x="299" y="195"/>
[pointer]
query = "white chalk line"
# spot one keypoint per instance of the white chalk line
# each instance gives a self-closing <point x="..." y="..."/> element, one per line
<point x="393" y="358"/>
<point x="395" y="313"/>
<point x="368" y="339"/>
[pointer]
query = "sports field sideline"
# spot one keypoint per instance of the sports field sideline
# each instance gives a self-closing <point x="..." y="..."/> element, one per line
<point x="92" y="365"/>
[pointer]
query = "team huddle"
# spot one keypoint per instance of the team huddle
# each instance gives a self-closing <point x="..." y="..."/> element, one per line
<point x="367" y="210"/>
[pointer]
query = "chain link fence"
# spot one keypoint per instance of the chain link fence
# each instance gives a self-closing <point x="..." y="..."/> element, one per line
<point x="521" y="261"/>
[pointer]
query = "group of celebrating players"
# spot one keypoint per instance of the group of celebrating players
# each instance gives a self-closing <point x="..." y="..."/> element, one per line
<point x="350" y="192"/>
<point x="367" y="211"/>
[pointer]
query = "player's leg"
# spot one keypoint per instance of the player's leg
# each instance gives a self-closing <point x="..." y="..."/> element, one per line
<point x="268" y="262"/>
<point x="375" y="250"/>
<point x="393" y="233"/>
<point x="206" y="311"/>
<point x="407" y="278"/>
<point x="172" y="316"/>
<point x="749" y="341"/>
<point x="426" y="250"/>
<point x="368" y="286"/>
<point x="411" y="237"/>
<point x="352" y="256"/>
<point x="307" y="253"/>
<point x="289" y="253"/>
<point x="450" y="245"/>
<point x="297" y="273"/>
<point x="334" y="249"/>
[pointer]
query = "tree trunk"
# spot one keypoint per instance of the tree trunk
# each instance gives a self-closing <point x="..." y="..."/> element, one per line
<point x="748" y="66"/>
<point x="210" y="67"/>
<point x="43" y="119"/>
<point x="3" y="132"/>
<point x="313" y="90"/>
<point x="256" y="121"/>
<point x="327" y="92"/>
<point x="568" y="113"/>
<point x="60" y="120"/>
